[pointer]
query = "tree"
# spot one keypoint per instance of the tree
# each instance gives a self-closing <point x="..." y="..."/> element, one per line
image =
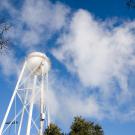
<point x="52" y="129"/>
<point x="79" y="126"/>
<point x="82" y="127"/>
<point x="4" y="27"/>
<point x="98" y="130"/>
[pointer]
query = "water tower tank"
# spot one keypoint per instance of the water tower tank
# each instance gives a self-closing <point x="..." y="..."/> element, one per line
<point x="38" y="62"/>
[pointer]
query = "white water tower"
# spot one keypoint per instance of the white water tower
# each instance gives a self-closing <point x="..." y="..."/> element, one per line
<point x="28" y="102"/>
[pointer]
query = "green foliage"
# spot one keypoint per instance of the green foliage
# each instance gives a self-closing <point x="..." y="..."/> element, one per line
<point x="79" y="127"/>
<point x="53" y="130"/>
<point x="82" y="127"/>
<point x="98" y="130"/>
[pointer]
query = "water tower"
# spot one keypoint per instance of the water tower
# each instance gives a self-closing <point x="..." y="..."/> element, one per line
<point x="27" y="112"/>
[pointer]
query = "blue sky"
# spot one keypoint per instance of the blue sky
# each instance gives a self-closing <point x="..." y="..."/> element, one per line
<point x="91" y="48"/>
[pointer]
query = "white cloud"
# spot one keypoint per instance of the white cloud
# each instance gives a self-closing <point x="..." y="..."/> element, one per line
<point x="42" y="19"/>
<point x="42" y="13"/>
<point x="85" y="107"/>
<point x="8" y="64"/>
<point x="95" y="53"/>
<point x="65" y="103"/>
<point x="102" y="55"/>
<point x="36" y="21"/>
<point x="6" y="5"/>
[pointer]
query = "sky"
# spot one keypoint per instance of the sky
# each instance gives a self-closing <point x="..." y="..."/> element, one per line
<point x="91" y="47"/>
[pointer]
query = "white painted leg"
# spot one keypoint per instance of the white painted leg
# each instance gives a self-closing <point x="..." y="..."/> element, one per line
<point x="42" y="111"/>
<point x="31" y="107"/>
<point x="12" y="99"/>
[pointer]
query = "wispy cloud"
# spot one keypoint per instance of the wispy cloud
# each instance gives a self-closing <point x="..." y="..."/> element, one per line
<point x="8" y="64"/>
<point x="33" y="24"/>
<point x="36" y="21"/>
<point x="42" y="20"/>
<point x="102" y="55"/>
